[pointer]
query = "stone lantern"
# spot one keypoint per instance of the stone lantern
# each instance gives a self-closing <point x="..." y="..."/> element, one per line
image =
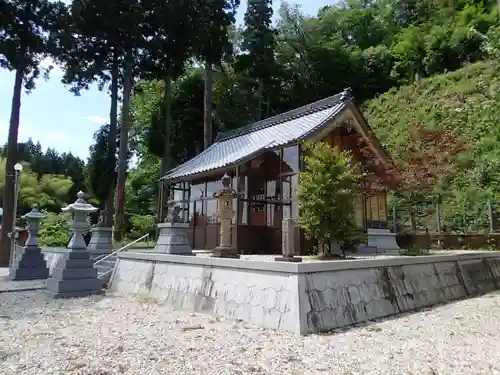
<point x="74" y="274"/>
<point x="225" y="196"/>
<point x="31" y="265"/>
<point x="101" y="241"/>
<point x="173" y="237"/>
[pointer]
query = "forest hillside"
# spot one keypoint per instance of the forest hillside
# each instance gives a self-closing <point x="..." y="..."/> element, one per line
<point x="409" y="63"/>
<point x="467" y="102"/>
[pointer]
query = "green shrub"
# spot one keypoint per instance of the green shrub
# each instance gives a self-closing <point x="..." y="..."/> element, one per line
<point x="142" y="224"/>
<point x="326" y="194"/>
<point x="55" y="230"/>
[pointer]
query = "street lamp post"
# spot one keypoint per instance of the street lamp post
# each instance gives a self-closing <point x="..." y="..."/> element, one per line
<point x="18" y="168"/>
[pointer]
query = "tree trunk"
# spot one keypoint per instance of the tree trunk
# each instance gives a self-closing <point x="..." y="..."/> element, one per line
<point x="207" y="106"/>
<point x="123" y="152"/>
<point x="12" y="150"/>
<point x="413" y="220"/>
<point x="113" y="114"/>
<point x="167" y="107"/>
<point x="260" y="99"/>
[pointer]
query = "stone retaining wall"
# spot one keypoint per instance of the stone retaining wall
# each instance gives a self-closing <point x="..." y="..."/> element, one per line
<point x="305" y="297"/>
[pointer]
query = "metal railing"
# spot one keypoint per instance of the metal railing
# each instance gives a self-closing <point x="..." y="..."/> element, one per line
<point x="105" y="273"/>
<point x="106" y="256"/>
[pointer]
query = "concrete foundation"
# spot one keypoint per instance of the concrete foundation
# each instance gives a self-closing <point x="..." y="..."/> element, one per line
<point x="305" y="297"/>
<point x="173" y="239"/>
<point x="382" y="239"/>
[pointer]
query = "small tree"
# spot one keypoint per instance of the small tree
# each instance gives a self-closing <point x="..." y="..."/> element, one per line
<point x="426" y="164"/>
<point x="326" y="193"/>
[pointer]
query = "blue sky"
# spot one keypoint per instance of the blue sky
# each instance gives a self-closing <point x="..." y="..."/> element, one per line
<point x="58" y="119"/>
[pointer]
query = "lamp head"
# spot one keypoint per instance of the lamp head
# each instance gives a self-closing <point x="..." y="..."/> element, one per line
<point x="18" y="167"/>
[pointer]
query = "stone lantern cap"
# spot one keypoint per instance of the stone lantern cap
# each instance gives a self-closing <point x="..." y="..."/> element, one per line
<point x="226" y="190"/>
<point x="80" y="205"/>
<point x="34" y="214"/>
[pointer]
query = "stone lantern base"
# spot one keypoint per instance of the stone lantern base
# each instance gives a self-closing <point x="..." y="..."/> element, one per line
<point x="74" y="276"/>
<point x="101" y="241"/>
<point x="31" y="265"/>
<point x="225" y="252"/>
<point x="173" y="239"/>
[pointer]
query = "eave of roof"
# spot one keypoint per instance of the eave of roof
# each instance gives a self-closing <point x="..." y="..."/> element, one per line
<point x="237" y="145"/>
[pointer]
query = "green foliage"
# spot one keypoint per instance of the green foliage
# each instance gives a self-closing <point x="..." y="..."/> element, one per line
<point x="55" y="230"/>
<point x="50" y="191"/>
<point x="215" y="18"/>
<point x="143" y="224"/>
<point x="100" y="172"/>
<point x="187" y="108"/>
<point x="141" y="187"/>
<point x="467" y="102"/>
<point x="258" y="39"/>
<point x="415" y="251"/>
<point x="25" y="27"/>
<point x="373" y="46"/>
<point x="370" y="46"/>
<point x="24" y="41"/>
<point x="52" y="163"/>
<point x="326" y="197"/>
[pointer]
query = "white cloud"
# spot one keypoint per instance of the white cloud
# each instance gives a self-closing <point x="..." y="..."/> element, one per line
<point x="97" y="119"/>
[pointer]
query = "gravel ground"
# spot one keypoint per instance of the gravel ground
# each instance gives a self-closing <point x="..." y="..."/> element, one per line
<point x="114" y="335"/>
<point x="7" y="285"/>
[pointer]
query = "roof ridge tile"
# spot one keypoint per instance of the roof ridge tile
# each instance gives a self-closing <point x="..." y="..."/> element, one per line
<point x="287" y="116"/>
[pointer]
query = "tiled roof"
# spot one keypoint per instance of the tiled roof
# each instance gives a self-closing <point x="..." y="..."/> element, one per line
<point x="241" y="144"/>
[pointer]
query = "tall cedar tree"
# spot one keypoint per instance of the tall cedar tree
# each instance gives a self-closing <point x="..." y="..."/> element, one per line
<point x="128" y="70"/>
<point x="186" y="109"/>
<point x="24" y="42"/>
<point x="99" y="173"/>
<point x="216" y="16"/>
<point x="132" y="42"/>
<point x="95" y="42"/>
<point x="170" y="29"/>
<point x="259" y="42"/>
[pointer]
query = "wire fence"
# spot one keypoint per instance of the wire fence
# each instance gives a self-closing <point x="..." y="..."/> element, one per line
<point x="446" y="217"/>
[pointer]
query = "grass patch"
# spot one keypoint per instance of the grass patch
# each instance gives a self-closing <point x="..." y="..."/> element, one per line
<point x="415" y="252"/>
<point x="147" y="300"/>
